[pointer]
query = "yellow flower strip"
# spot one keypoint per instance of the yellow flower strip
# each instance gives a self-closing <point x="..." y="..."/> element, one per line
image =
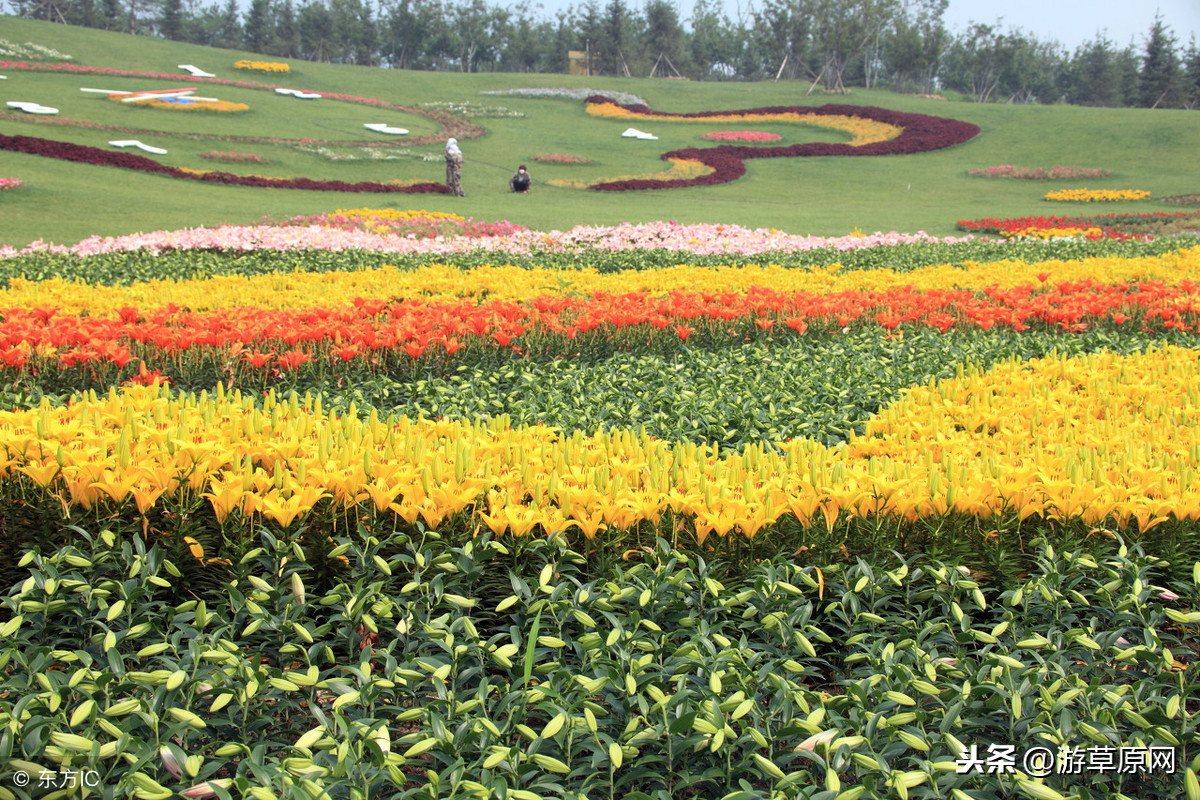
<point x="1053" y="233"/>
<point x="261" y="66"/>
<point x="393" y="215"/>
<point x="1097" y="195"/>
<point x="862" y="131"/>
<point x="1096" y="437"/>
<point x="308" y="290"/>
<point x="192" y="105"/>
<point x="681" y="169"/>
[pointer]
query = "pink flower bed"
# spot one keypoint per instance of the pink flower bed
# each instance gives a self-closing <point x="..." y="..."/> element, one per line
<point x="9" y="183"/>
<point x="742" y="136"/>
<point x="699" y="239"/>
<point x="1038" y="173"/>
<point x="555" y="158"/>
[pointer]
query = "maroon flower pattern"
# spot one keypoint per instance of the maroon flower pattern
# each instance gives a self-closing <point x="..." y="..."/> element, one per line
<point x="67" y="151"/>
<point x="921" y="133"/>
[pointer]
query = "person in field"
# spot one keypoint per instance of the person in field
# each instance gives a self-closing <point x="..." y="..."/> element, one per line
<point x="454" y="160"/>
<point x="520" y="181"/>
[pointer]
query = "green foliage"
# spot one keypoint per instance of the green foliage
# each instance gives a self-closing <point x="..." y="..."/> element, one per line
<point x="820" y="385"/>
<point x="124" y="268"/>
<point x="429" y="670"/>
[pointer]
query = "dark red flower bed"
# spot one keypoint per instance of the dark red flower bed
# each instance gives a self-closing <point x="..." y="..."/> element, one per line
<point x="921" y="133"/>
<point x="67" y="151"/>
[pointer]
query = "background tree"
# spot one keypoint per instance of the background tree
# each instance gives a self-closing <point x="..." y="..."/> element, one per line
<point x="286" y="42"/>
<point x="229" y="35"/>
<point x="709" y="42"/>
<point x="170" y="24"/>
<point x="526" y="41"/>
<point x="913" y="48"/>
<point x="590" y="25"/>
<point x="781" y="36"/>
<point x="1128" y="68"/>
<point x="1191" y="75"/>
<point x="1093" y="75"/>
<point x="1159" y="82"/>
<point x="366" y="37"/>
<point x="415" y="34"/>
<point x="477" y="31"/>
<point x="662" y="38"/>
<point x="110" y="12"/>
<point x="842" y="30"/>
<point x="616" y="38"/>
<point x="259" y="28"/>
<point x="317" y="37"/>
<point x="562" y="40"/>
<point x="1033" y="70"/>
<point x="976" y="60"/>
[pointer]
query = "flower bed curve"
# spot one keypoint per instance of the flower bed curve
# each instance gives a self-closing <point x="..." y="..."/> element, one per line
<point x="66" y="151"/>
<point x="919" y="133"/>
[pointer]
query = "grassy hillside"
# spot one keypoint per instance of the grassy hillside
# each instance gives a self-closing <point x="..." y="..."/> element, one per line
<point x="64" y="202"/>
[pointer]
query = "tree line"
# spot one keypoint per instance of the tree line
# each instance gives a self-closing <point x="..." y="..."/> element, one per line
<point x="836" y="44"/>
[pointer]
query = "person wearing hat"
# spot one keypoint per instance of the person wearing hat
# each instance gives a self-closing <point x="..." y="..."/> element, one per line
<point x="454" y="160"/>
<point x="520" y="180"/>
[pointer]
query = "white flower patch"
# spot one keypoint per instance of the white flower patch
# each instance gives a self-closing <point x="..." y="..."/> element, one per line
<point x="30" y="50"/>
<point x="624" y="98"/>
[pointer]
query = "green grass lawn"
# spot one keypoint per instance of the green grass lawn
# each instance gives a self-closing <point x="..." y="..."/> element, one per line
<point x="63" y="202"/>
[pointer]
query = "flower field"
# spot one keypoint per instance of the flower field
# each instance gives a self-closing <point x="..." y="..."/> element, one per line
<point x="397" y="503"/>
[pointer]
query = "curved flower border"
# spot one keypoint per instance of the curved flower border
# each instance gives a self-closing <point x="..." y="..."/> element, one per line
<point x="67" y="151"/>
<point x="919" y="133"/>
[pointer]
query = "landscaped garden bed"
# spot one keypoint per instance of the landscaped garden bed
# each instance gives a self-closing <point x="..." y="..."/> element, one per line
<point x="397" y="503"/>
<point x="339" y="522"/>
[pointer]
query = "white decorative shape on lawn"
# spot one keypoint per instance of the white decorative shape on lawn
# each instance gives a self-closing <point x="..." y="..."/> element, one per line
<point x="196" y="71"/>
<point x="300" y="94"/>
<point x="140" y="96"/>
<point x="32" y="108"/>
<point x="136" y="143"/>
<point x="634" y="133"/>
<point x="383" y="127"/>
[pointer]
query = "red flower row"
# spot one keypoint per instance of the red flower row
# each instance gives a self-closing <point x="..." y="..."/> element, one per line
<point x="921" y="133"/>
<point x="1105" y="222"/>
<point x="555" y="324"/>
<point x="67" y="151"/>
